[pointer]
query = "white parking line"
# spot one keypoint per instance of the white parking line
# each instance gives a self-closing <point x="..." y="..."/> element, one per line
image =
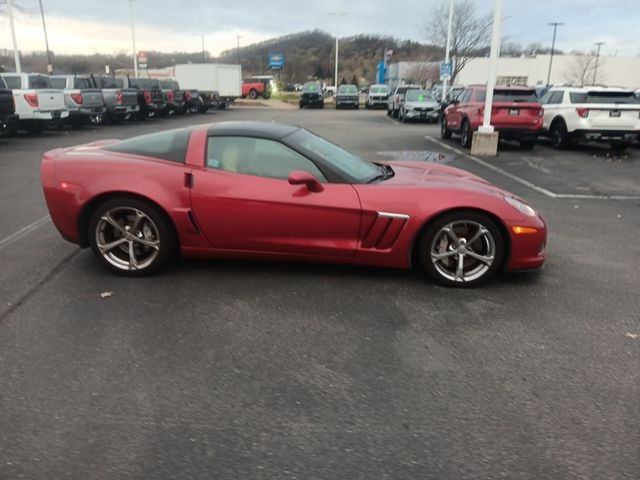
<point x="529" y="184"/>
<point x="14" y="237"/>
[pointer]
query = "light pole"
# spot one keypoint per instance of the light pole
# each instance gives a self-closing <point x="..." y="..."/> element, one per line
<point x="133" y="40"/>
<point x="16" y="53"/>
<point x="46" y="40"/>
<point x="555" y="26"/>
<point x="337" y="14"/>
<point x="595" y="70"/>
<point x="238" y="37"/>
<point x="445" y="82"/>
<point x="204" y="55"/>
<point x="493" y="68"/>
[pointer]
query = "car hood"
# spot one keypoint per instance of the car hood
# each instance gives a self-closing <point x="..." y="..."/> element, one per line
<point x="435" y="175"/>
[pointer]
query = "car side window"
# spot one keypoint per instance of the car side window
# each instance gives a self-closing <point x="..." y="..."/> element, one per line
<point x="545" y="98"/>
<point x="257" y="156"/>
<point x="556" y="98"/>
<point x="466" y="95"/>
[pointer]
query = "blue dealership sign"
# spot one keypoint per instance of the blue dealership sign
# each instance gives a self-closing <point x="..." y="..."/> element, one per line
<point x="446" y="70"/>
<point x="276" y="61"/>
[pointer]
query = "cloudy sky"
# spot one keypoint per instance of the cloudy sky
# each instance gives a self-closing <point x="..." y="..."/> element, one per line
<point x="88" y="26"/>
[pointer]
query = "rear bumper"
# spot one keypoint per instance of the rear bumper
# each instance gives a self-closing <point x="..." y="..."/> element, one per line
<point x="87" y="111"/>
<point x="46" y="115"/>
<point x="123" y="110"/>
<point x="606" y="135"/>
<point x="510" y="133"/>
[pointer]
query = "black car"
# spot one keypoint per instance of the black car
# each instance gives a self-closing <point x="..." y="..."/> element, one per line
<point x="347" y="96"/>
<point x="174" y="96"/>
<point x="311" y="95"/>
<point x="8" y="118"/>
<point x="150" y="96"/>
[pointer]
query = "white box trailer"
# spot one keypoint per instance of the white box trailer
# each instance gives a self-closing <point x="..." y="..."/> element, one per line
<point x="224" y="78"/>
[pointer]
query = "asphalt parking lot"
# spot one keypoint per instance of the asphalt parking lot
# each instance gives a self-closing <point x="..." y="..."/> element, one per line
<point x="246" y="370"/>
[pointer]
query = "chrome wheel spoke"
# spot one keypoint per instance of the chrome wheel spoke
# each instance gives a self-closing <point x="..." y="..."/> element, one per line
<point x="480" y="233"/>
<point x="460" y="268"/>
<point x="452" y="235"/>
<point x="133" y="262"/>
<point x="111" y="245"/>
<point x="148" y="243"/>
<point x="111" y="221"/>
<point x="440" y="256"/>
<point x="137" y="221"/>
<point x="487" y="260"/>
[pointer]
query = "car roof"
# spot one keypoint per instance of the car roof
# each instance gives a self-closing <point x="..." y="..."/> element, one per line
<point x="270" y="130"/>
<point x="503" y="87"/>
<point x="594" y="88"/>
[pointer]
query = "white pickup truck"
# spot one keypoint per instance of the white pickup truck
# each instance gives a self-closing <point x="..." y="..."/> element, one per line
<point x="37" y="104"/>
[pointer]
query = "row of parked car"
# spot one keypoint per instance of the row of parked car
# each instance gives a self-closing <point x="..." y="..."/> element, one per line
<point x="34" y="102"/>
<point x="565" y="114"/>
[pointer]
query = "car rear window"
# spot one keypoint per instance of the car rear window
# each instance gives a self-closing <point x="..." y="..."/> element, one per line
<point x="83" y="82"/>
<point x="508" y="95"/>
<point x="109" y="82"/>
<point x="142" y="83"/>
<point x="59" y="82"/>
<point x="12" y="82"/>
<point x="168" y="145"/>
<point x="39" y="81"/>
<point x="603" y="97"/>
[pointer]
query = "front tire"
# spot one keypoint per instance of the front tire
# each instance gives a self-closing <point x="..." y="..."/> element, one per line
<point x="461" y="249"/>
<point x="253" y="94"/>
<point x="131" y="237"/>
<point x="445" y="133"/>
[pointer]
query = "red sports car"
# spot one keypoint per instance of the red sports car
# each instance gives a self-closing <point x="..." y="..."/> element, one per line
<point x="271" y="191"/>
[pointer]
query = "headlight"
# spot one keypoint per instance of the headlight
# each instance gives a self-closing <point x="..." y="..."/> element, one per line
<point x="521" y="206"/>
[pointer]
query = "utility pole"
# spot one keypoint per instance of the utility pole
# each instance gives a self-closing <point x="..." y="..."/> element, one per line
<point x="595" y="70"/>
<point x="238" y="37"/>
<point x="555" y="26"/>
<point x="133" y="40"/>
<point x="445" y="82"/>
<point x="337" y="14"/>
<point x="16" y="53"/>
<point x="204" y="55"/>
<point x="46" y="40"/>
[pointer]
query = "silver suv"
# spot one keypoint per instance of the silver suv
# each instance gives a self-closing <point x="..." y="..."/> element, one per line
<point x="397" y="97"/>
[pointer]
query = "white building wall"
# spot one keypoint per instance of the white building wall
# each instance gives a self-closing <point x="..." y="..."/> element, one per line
<point x="614" y="71"/>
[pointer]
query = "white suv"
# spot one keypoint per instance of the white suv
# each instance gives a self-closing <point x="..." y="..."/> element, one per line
<point x="600" y="114"/>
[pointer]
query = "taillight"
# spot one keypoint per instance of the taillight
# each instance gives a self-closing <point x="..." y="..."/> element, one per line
<point x="187" y="95"/>
<point x="147" y="96"/>
<point x="582" y="112"/>
<point x="76" y="97"/>
<point x="119" y="97"/>
<point x="170" y="96"/>
<point x="32" y="99"/>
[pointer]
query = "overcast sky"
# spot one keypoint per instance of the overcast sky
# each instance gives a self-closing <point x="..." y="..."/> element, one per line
<point x="77" y="26"/>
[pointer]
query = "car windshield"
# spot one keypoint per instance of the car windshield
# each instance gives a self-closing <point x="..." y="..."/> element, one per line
<point x="348" y="89"/>
<point x="169" y="84"/>
<point x="354" y="168"/>
<point x="419" y="96"/>
<point x="509" y="95"/>
<point x="109" y="82"/>
<point x="604" y="97"/>
<point x="384" y="90"/>
<point x="311" y="87"/>
<point x="144" y="82"/>
<point x="39" y="81"/>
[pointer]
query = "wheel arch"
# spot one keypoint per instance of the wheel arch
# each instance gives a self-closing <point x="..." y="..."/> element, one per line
<point x="557" y="119"/>
<point x="413" y="251"/>
<point x="95" y="202"/>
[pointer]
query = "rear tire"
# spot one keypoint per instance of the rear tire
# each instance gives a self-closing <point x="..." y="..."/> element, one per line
<point x="253" y="94"/>
<point x="131" y="237"/>
<point x="559" y="135"/>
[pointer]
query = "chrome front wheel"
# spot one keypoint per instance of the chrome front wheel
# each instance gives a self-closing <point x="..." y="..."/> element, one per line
<point x="462" y="249"/>
<point x="130" y="236"/>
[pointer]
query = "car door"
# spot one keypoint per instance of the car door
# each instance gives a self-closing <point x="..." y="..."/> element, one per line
<point x="242" y="201"/>
<point x="454" y="115"/>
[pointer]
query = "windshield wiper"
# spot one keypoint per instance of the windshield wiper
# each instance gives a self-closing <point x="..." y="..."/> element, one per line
<point x="385" y="171"/>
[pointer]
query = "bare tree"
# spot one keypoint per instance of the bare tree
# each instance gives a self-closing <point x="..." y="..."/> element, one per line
<point x="470" y="31"/>
<point x="583" y="68"/>
<point x="424" y="73"/>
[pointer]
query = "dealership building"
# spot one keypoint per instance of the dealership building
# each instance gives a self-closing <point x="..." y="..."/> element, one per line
<point x="533" y="70"/>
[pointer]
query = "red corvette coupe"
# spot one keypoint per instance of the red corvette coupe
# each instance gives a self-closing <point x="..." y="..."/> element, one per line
<point x="271" y="191"/>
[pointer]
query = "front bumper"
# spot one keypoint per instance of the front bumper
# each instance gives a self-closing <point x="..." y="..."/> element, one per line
<point x="422" y="114"/>
<point x="352" y="102"/>
<point x="377" y="102"/>
<point x="528" y="250"/>
<point x="312" y="101"/>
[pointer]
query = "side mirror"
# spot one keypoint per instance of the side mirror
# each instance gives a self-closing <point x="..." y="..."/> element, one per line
<point x="300" y="177"/>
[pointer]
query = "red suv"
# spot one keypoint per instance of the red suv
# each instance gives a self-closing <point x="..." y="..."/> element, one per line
<point x="516" y="114"/>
